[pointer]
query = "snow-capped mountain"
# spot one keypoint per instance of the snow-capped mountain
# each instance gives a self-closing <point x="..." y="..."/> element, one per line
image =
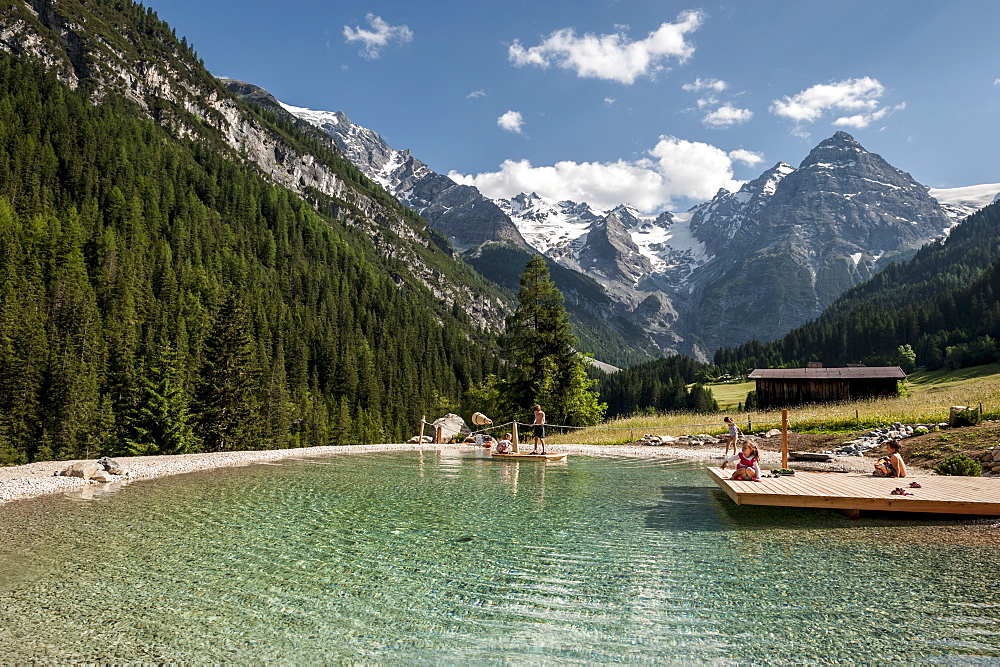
<point x="842" y="215"/>
<point x="560" y="230"/>
<point x="718" y="221"/>
<point x="753" y="263"/>
<point x="960" y="203"/>
<point x="461" y="212"/>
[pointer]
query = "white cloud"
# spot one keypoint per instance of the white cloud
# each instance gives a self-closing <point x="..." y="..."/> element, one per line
<point x="608" y="101"/>
<point x="511" y="121"/>
<point x="674" y="169"/>
<point x="866" y="119"/>
<point x="611" y="57"/>
<point x="748" y="158"/>
<point x="808" y="106"/>
<point x="726" y="116"/>
<point x="700" y="84"/>
<point x="996" y="82"/>
<point x="707" y="101"/>
<point x="476" y="93"/>
<point x="380" y="35"/>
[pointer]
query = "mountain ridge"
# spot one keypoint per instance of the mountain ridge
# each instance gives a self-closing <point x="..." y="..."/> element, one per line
<point x="747" y="264"/>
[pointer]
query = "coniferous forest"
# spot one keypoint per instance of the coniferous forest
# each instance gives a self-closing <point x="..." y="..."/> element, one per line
<point x="160" y="298"/>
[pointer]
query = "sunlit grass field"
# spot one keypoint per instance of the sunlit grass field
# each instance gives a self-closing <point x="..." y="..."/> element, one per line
<point x="929" y="398"/>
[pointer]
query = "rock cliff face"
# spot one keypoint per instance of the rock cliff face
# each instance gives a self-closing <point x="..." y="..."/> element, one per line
<point x="461" y="212"/>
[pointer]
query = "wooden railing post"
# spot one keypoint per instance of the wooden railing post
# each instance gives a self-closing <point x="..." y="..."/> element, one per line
<point x="516" y="448"/>
<point x="423" y="420"/>
<point x="784" y="438"/>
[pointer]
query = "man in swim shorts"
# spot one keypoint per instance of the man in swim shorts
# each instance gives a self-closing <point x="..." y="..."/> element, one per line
<point x="538" y="428"/>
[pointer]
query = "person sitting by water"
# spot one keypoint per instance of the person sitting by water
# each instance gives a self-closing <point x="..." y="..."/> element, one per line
<point x="503" y="447"/>
<point x="748" y="467"/>
<point x="891" y="465"/>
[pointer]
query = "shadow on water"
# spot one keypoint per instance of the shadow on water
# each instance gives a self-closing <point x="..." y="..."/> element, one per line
<point x="704" y="509"/>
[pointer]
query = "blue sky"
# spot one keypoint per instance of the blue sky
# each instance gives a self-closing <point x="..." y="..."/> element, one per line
<point x="657" y="104"/>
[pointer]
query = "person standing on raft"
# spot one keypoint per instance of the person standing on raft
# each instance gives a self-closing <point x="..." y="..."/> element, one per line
<point x="538" y="428"/>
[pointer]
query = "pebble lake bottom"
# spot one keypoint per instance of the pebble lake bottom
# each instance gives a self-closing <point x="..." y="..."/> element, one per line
<point x="448" y="556"/>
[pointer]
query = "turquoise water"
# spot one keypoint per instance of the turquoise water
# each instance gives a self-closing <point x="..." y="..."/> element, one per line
<point x="449" y="556"/>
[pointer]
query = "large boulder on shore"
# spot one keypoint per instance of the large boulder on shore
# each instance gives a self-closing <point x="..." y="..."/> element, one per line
<point x="451" y="425"/>
<point x="83" y="469"/>
<point x="110" y="465"/>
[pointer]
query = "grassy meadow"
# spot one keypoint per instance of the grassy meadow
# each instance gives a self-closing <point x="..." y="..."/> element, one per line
<point x="929" y="397"/>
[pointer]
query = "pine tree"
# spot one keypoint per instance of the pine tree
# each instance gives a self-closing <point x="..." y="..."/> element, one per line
<point x="540" y="346"/>
<point x="157" y="420"/>
<point x="228" y="395"/>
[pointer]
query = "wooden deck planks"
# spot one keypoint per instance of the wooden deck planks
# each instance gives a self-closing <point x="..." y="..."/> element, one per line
<point x="938" y="494"/>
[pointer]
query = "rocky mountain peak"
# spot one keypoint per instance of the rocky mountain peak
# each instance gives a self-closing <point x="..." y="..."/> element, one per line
<point x="610" y="252"/>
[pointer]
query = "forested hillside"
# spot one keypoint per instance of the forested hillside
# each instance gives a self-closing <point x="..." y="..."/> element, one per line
<point x="660" y="385"/>
<point x="160" y="297"/>
<point x="941" y="309"/>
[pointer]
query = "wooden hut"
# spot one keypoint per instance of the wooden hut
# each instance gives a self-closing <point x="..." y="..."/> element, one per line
<point x="779" y="387"/>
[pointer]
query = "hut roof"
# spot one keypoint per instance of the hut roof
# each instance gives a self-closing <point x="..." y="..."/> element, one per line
<point x="849" y="373"/>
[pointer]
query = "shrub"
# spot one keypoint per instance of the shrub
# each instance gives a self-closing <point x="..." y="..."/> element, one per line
<point x="969" y="417"/>
<point x="960" y="465"/>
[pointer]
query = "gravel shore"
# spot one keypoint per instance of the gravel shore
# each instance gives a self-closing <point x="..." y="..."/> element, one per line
<point x="37" y="479"/>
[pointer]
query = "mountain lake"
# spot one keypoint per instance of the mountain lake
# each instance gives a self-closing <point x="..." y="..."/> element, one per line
<point x="447" y="556"/>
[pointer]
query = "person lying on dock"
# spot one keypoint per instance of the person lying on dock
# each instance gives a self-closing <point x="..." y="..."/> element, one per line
<point x="891" y="465"/>
<point x="503" y="447"/>
<point x="748" y="467"/>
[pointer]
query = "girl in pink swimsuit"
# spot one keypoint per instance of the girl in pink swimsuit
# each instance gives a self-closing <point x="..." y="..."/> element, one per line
<point x="748" y="467"/>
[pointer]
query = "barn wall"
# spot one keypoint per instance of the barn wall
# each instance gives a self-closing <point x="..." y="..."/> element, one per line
<point x="781" y="392"/>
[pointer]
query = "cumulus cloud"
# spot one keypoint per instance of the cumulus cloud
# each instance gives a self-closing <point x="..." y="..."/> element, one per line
<point x="700" y="84"/>
<point x="475" y="94"/>
<point x="512" y="121"/>
<point x="996" y="82"/>
<point x="718" y="115"/>
<point x="378" y="37"/>
<point x="862" y="96"/>
<point x="612" y="57"/>
<point x="672" y="169"/>
<point x="749" y="158"/>
<point x="863" y="120"/>
<point x="608" y="101"/>
<point x="726" y="116"/>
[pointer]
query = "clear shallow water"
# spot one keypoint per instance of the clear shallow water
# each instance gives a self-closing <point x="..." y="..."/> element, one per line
<point x="427" y="557"/>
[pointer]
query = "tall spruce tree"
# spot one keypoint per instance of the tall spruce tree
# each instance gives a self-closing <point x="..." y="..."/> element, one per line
<point x="157" y="420"/>
<point x="229" y="394"/>
<point x="540" y="346"/>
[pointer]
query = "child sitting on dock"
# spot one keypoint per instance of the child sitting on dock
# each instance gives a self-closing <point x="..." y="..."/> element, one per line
<point x="748" y="468"/>
<point x="503" y="447"/>
<point x="891" y="465"/>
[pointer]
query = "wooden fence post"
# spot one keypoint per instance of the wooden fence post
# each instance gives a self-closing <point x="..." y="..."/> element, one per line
<point x="784" y="438"/>
<point x="517" y="450"/>
<point x="423" y="420"/>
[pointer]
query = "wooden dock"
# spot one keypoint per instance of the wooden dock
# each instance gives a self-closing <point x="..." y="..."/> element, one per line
<point x="852" y="492"/>
<point x="527" y="456"/>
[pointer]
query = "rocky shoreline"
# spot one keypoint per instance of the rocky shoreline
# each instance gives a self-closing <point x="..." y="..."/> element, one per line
<point x="39" y="479"/>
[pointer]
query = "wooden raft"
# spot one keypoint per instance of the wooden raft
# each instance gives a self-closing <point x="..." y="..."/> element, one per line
<point x="530" y="457"/>
<point x="852" y="492"/>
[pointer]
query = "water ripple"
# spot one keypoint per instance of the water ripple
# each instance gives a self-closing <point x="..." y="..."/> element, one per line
<point x="447" y="556"/>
